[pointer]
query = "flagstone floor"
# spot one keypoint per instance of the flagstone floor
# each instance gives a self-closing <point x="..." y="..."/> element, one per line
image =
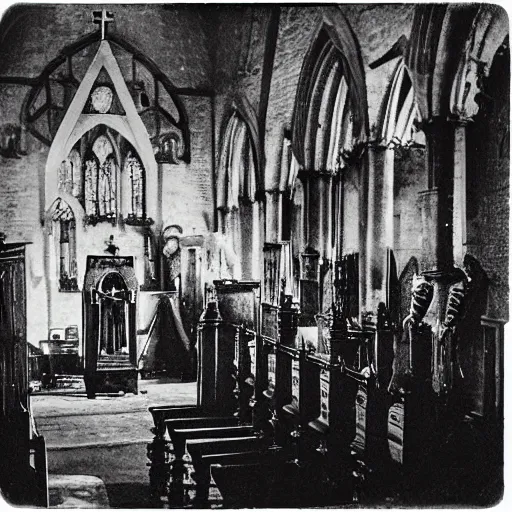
<point x="102" y="441"/>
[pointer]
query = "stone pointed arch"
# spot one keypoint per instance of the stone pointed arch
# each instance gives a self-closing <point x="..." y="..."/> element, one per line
<point x="75" y="123"/>
<point x="240" y="115"/>
<point x="63" y="201"/>
<point x="399" y="109"/>
<point x="488" y="31"/>
<point x="438" y="36"/>
<point x="334" y="33"/>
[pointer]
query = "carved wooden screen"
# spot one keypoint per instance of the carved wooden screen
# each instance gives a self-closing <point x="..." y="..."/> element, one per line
<point x="14" y="416"/>
<point x="277" y="273"/>
<point x="271" y="277"/>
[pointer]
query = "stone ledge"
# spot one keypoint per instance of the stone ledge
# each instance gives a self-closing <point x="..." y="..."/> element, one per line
<point x="77" y="491"/>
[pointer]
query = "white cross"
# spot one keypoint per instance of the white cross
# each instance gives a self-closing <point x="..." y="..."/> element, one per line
<point x="102" y="18"/>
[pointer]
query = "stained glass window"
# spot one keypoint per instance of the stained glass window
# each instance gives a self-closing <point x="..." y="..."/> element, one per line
<point x="70" y="174"/>
<point x="91" y="174"/>
<point x="100" y="173"/>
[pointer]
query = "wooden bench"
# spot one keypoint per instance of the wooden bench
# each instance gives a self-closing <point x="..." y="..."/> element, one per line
<point x="203" y="430"/>
<point x="160" y="413"/>
<point x="201" y="450"/>
<point x="269" y="481"/>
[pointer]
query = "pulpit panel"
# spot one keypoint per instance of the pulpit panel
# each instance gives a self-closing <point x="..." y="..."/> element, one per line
<point x="110" y="331"/>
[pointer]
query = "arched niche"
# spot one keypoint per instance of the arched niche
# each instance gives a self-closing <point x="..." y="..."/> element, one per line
<point x="238" y="209"/>
<point x="61" y="228"/>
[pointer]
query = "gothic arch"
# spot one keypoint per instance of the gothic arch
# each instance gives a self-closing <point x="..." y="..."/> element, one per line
<point x="334" y="40"/>
<point x="33" y="108"/>
<point x="438" y="35"/>
<point x="239" y="180"/>
<point x="488" y="31"/>
<point x="399" y="110"/>
<point x="75" y="124"/>
<point x="63" y="249"/>
<point x="238" y="125"/>
<point x="241" y="108"/>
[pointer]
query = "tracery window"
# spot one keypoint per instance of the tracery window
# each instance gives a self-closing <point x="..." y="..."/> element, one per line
<point x="70" y="174"/>
<point x="159" y="106"/>
<point x="101" y="181"/>
<point x="94" y="177"/>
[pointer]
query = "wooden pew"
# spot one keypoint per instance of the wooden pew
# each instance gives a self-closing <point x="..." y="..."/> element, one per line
<point x="277" y="323"/>
<point x="302" y="385"/>
<point x="224" y="366"/>
<point x="260" y="482"/>
<point x="199" y="449"/>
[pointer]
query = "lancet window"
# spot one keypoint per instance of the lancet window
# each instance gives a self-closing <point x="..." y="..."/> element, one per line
<point x="100" y="173"/>
<point x="92" y="174"/>
<point x="70" y="174"/>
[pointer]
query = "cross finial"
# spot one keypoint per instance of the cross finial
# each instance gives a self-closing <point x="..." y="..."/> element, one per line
<point x="102" y="18"/>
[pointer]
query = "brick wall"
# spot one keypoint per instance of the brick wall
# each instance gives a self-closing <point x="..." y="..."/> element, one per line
<point x="171" y="35"/>
<point x="187" y="188"/>
<point x="223" y="48"/>
<point x="488" y="187"/>
<point x="174" y="38"/>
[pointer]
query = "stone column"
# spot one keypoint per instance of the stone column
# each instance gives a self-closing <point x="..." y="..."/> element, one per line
<point x="328" y="210"/>
<point x="459" y="193"/>
<point x="272" y="215"/>
<point x="257" y="244"/>
<point x="436" y="203"/>
<point x="379" y="234"/>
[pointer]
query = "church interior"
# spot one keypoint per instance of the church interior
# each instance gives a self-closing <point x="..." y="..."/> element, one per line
<point x="303" y="211"/>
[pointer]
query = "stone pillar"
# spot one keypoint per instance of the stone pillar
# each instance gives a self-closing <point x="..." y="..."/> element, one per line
<point x="459" y="194"/>
<point x="257" y="245"/>
<point x="379" y="234"/>
<point x="329" y="209"/>
<point x="314" y="215"/>
<point x="436" y="203"/>
<point x="272" y="216"/>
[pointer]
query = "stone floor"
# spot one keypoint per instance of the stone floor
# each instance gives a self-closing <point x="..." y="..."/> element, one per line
<point x="106" y="439"/>
<point x="102" y="441"/>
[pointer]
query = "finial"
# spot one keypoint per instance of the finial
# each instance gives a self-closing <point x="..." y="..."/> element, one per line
<point x="102" y="18"/>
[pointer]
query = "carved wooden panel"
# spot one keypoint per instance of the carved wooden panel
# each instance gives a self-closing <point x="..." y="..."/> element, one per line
<point x="324" y="395"/>
<point x="269" y="322"/>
